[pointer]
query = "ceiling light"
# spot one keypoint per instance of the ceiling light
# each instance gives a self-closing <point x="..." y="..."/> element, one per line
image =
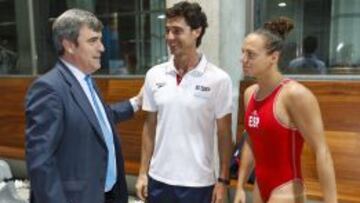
<point x="162" y="16"/>
<point x="339" y="46"/>
<point x="282" y="4"/>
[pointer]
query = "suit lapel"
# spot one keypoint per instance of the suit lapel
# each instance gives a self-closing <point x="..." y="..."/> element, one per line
<point x="81" y="99"/>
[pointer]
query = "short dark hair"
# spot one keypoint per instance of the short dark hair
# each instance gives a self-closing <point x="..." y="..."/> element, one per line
<point x="68" y="25"/>
<point x="193" y="14"/>
<point x="310" y="44"/>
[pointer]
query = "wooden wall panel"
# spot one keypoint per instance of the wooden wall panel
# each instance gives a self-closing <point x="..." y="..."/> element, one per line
<point x="339" y="103"/>
<point x="130" y="131"/>
<point x="12" y="116"/>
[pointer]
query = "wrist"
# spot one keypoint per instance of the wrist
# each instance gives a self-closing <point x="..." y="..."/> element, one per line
<point x="143" y="171"/>
<point x="136" y="103"/>
<point x="223" y="181"/>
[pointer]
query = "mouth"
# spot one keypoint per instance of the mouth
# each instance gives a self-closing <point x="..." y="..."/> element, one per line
<point x="172" y="46"/>
<point x="246" y="69"/>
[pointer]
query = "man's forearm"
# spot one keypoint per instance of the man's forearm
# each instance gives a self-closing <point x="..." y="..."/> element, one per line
<point x="225" y="148"/>
<point x="148" y="137"/>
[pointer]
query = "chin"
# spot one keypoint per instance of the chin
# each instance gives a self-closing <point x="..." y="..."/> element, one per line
<point x="175" y="51"/>
<point x="247" y="72"/>
<point x="95" y="68"/>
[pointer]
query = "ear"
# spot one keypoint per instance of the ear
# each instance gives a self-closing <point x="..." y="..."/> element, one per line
<point x="197" y="32"/>
<point x="68" y="46"/>
<point x="275" y="56"/>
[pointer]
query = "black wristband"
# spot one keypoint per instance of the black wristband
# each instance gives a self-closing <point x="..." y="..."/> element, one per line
<point x="224" y="181"/>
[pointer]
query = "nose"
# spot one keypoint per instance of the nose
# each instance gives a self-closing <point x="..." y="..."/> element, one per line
<point x="101" y="47"/>
<point x="169" y="36"/>
<point x="243" y="58"/>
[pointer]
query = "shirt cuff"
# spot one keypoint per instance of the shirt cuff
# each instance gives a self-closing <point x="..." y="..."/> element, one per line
<point x="135" y="104"/>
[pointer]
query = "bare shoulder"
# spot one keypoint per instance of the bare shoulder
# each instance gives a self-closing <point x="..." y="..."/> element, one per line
<point x="251" y="89"/>
<point x="248" y="92"/>
<point x="297" y="94"/>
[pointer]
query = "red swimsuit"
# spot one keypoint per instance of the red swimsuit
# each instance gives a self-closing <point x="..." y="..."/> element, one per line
<point x="276" y="148"/>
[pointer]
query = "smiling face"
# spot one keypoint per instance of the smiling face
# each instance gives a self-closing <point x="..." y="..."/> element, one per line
<point x="255" y="57"/>
<point x="180" y="37"/>
<point x="86" y="53"/>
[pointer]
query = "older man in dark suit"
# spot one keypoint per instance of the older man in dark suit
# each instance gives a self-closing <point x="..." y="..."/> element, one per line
<point x="73" y="153"/>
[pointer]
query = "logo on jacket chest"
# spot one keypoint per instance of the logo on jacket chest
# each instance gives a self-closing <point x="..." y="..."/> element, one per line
<point x="254" y="120"/>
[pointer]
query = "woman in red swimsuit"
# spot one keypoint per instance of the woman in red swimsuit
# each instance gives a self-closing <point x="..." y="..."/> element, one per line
<point x="280" y="115"/>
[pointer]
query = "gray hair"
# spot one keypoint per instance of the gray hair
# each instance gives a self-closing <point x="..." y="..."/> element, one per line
<point x="68" y="25"/>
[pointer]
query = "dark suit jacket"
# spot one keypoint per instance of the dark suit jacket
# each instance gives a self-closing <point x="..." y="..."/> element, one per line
<point x="66" y="154"/>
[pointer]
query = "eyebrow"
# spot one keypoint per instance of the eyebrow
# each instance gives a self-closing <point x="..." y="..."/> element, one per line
<point x="92" y="39"/>
<point x="248" y="50"/>
<point x="173" y="26"/>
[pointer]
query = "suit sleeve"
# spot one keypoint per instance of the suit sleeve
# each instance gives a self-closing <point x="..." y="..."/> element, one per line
<point x="122" y="111"/>
<point x="44" y="127"/>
